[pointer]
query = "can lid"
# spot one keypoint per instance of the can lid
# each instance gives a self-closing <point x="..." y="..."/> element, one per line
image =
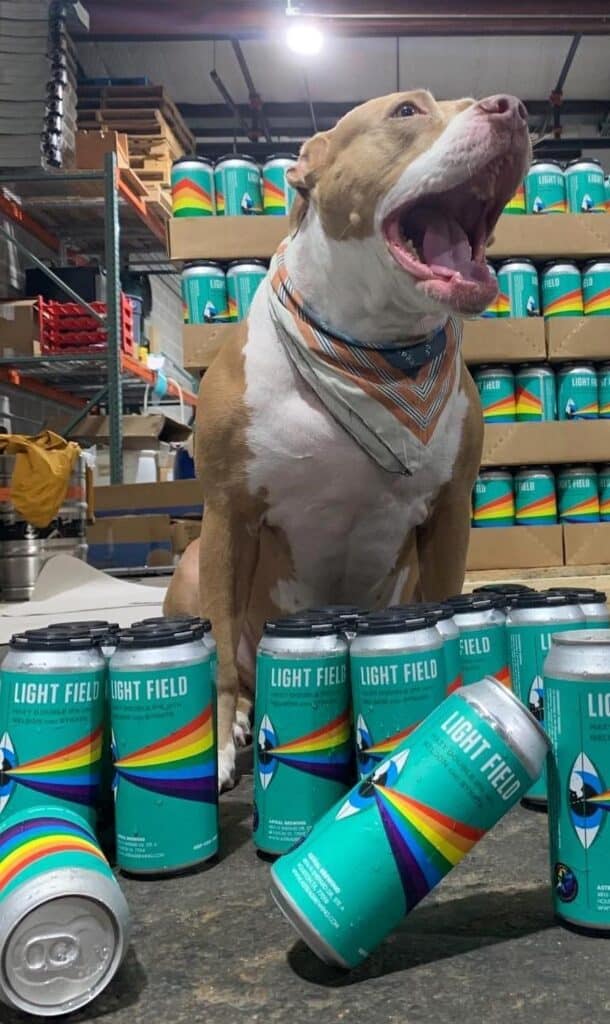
<point x="49" y="640"/>
<point x="580" y="637"/>
<point x="201" y="263"/>
<point x="554" y="264"/>
<point x="583" y="160"/>
<point x="192" y="159"/>
<point x="538" y="163"/>
<point x="282" y="156"/>
<point x="575" y="364"/>
<point x="436" y="609"/>
<point x="503" y="588"/>
<point x="584" y="595"/>
<point x="237" y="156"/>
<point x="516" y="259"/>
<point x="340" y="613"/>
<point x="249" y="262"/>
<point x="475" y="602"/>
<point x="601" y="264"/>
<point x="541" y="599"/>
<point x="393" y="622"/>
<point x="176" y="621"/>
<point x="139" y="638"/>
<point x="300" y="625"/>
<point x="97" y="630"/>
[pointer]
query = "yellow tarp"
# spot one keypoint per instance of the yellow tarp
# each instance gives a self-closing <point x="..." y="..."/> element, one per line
<point x="43" y="466"/>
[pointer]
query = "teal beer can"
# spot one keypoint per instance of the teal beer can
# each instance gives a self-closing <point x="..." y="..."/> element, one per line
<point x="577" y="717"/>
<point x="450" y="635"/>
<point x="545" y="188"/>
<point x="603" y="483"/>
<point x="303" y="759"/>
<point x="561" y="289"/>
<point x="585" y="186"/>
<point x="493" y="501"/>
<point x="596" y="288"/>
<point x="192" y="184"/>
<point x="237" y="181"/>
<point x="345" y="617"/>
<point x="536" y="394"/>
<point x="531" y="621"/>
<point x="392" y="839"/>
<point x="577" y="392"/>
<point x="535" y="497"/>
<point x="163" y="701"/>
<point x="64" y="927"/>
<point x="204" y="293"/>
<point x="52" y="701"/>
<point x="483" y="644"/>
<point x="243" y="280"/>
<point x="577" y="494"/>
<point x="496" y="387"/>
<point x="492" y="310"/>
<point x="518" y="290"/>
<point x="278" y="195"/>
<point x="397" y="672"/>
<point x="603" y="381"/>
<point x="593" y="604"/>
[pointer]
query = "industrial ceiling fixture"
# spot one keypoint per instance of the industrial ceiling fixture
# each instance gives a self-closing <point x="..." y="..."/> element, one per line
<point x="302" y="37"/>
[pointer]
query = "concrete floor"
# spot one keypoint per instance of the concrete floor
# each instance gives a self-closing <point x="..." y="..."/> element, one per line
<point x="484" y="947"/>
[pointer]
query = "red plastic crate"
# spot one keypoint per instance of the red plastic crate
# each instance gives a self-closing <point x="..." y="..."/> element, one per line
<point x="66" y="326"/>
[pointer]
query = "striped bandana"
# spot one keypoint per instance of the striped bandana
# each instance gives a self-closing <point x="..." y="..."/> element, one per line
<point x="390" y="400"/>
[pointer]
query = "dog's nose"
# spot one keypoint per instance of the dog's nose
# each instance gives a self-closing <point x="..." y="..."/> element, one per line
<point x="503" y="106"/>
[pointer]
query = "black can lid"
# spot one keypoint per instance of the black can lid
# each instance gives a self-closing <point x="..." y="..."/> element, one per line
<point x="436" y="609"/>
<point x="340" y="613"/>
<point x="299" y="626"/>
<point x="583" y="595"/>
<point x="82" y="625"/>
<point x="159" y="636"/>
<point x="540" y="599"/>
<point x="475" y="602"/>
<point x="48" y="640"/>
<point x="176" y="621"/>
<point x="503" y="588"/>
<point x="393" y="622"/>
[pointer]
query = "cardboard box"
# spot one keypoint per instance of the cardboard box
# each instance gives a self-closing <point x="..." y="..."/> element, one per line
<point x="19" y="328"/>
<point x="576" y="235"/>
<point x="201" y="343"/>
<point x="504" y="340"/>
<point x="535" y="444"/>
<point x="91" y="148"/>
<point x="128" y="541"/>
<point x="183" y="532"/>
<point x="177" y="498"/>
<point x="579" y="337"/>
<point x="515" y="547"/>
<point x="586" y="543"/>
<point x="146" y="431"/>
<point x="224" y="238"/>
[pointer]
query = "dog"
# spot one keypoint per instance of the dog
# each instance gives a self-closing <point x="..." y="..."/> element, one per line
<point x="339" y="439"/>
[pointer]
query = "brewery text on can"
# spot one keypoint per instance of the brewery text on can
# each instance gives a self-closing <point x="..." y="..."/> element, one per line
<point x="577" y="392"/>
<point x="561" y="290"/>
<point x="303" y="755"/>
<point x="535" y="497"/>
<point x="397" y="673"/>
<point x="163" y="735"/>
<point x="64" y="928"/>
<point x="603" y="385"/>
<point x="278" y="194"/>
<point x="545" y="188"/>
<point x="577" y="715"/>
<point x="536" y="393"/>
<point x="492" y="309"/>
<point x="243" y="280"/>
<point x="603" y="484"/>
<point x="192" y="184"/>
<point x="238" y="186"/>
<point x="516" y="204"/>
<point x="496" y="387"/>
<point x="596" y="288"/>
<point x="52" y="696"/>
<point x="531" y="621"/>
<point x="518" y="292"/>
<point x="204" y="292"/>
<point x="405" y="826"/>
<point x="483" y="644"/>
<point x="493" y="502"/>
<point x="577" y="495"/>
<point x="585" y="186"/>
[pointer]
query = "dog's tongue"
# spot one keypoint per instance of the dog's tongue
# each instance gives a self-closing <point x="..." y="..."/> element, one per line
<point x="445" y="246"/>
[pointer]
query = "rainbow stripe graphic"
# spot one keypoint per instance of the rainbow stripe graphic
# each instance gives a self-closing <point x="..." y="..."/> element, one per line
<point x="220" y="201"/>
<point x="324" y="752"/>
<point x="455" y="684"/>
<point x="503" y="676"/>
<point x="586" y="412"/>
<point x="182" y="764"/>
<point x="586" y="511"/>
<point x="541" y="508"/>
<point x="560" y="206"/>
<point x="502" y="304"/>
<point x="371" y="753"/>
<point x="599" y="304"/>
<point x="70" y="773"/>
<point x="516" y="204"/>
<point x="604" y="509"/>
<point x="40" y="838"/>
<point x="604" y="410"/>
<point x="529" y="406"/>
<point x="190" y="199"/>
<point x="504" y="409"/>
<point x="498" y="510"/>
<point x="233" y="315"/>
<point x="569" y="304"/>
<point x="274" y="198"/>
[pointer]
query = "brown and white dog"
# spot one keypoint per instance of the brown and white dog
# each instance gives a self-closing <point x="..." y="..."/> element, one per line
<point x="388" y="240"/>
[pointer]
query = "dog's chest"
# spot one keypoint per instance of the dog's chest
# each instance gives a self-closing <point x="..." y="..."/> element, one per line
<point x="342" y="515"/>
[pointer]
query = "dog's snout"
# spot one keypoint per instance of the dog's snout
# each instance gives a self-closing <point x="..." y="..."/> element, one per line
<point x="503" y="106"/>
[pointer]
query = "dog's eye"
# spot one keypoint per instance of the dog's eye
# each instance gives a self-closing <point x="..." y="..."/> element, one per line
<point x="405" y="110"/>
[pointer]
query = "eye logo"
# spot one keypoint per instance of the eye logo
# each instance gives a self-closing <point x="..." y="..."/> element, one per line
<point x="535" y="699"/>
<point x="71" y="773"/>
<point x="371" y="753"/>
<point x="565" y="882"/>
<point x="324" y="752"/>
<point x="425" y="843"/>
<point x="588" y="800"/>
<point x="7" y="762"/>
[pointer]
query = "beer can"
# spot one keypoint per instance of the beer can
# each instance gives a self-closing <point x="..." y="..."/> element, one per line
<point x="481" y="623"/>
<point x="243" y="279"/>
<point x="397" y="673"/>
<point x="516" y="204"/>
<point x="603" y="382"/>
<point x="507" y="592"/>
<point x="535" y="497"/>
<point x="52" y="699"/>
<point x="577" y="392"/>
<point x="278" y="195"/>
<point x="64" y="927"/>
<point x="192" y="185"/>
<point x="577" y="711"/>
<point x="607" y="191"/>
<point x="585" y="186"/>
<point x="577" y="494"/>
<point x="237" y="181"/>
<point x="593" y="604"/>
<point x="303" y="755"/>
<point x="345" y="617"/>
<point x="603" y="484"/>
<point x="536" y="393"/>
<point x="450" y="635"/>
<point x="531" y="621"/>
<point x="545" y="188"/>
<point x="492" y="309"/>
<point x="561" y="289"/>
<point x="204" y="293"/>
<point x="493" y="502"/>
<point x="596" y="288"/>
<point x="372" y="858"/>
<point x="162" y="703"/>
<point x="185" y="622"/>
<point x="518" y="294"/>
<point x="496" y="387"/>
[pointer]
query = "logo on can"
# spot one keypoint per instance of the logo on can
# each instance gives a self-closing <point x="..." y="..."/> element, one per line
<point x="496" y="387"/>
<point x="561" y="288"/>
<point x="493" y="502"/>
<point x="535" y="394"/>
<point x="535" y="498"/>
<point x="545" y="188"/>
<point x="578" y="495"/>
<point x="596" y="288"/>
<point x="518" y="294"/>
<point x="204" y="293"/>
<point x="577" y="392"/>
<point x="238" y="186"/>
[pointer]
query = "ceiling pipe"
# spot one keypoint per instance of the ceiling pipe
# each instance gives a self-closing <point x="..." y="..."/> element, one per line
<point x="230" y="102"/>
<point x="256" y="104"/>
<point x="556" y="96"/>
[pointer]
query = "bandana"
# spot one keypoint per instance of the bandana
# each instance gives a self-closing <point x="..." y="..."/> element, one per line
<point x="387" y="398"/>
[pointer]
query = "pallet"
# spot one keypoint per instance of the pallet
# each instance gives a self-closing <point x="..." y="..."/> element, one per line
<point x="145" y="124"/>
<point x="122" y="101"/>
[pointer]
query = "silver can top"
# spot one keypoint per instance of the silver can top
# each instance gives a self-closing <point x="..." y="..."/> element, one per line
<point x="511" y="720"/>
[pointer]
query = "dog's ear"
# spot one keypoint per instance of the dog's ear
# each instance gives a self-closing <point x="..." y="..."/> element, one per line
<point x="312" y="157"/>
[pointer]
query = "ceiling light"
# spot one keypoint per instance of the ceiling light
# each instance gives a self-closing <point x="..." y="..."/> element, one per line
<point x="304" y="39"/>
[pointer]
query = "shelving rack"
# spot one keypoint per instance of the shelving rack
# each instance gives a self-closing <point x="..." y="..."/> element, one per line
<point x="95" y="210"/>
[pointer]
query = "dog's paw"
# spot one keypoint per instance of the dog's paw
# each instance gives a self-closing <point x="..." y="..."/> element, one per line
<point x="226" y="767"/>
<point x="242" y="730"/>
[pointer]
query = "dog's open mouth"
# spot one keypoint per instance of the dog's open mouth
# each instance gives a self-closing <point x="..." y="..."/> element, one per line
<point x="440" y="238"/>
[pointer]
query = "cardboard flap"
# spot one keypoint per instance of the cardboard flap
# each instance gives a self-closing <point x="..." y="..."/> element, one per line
<point x="515" y="547"/>
<point x="138" y="431"/>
